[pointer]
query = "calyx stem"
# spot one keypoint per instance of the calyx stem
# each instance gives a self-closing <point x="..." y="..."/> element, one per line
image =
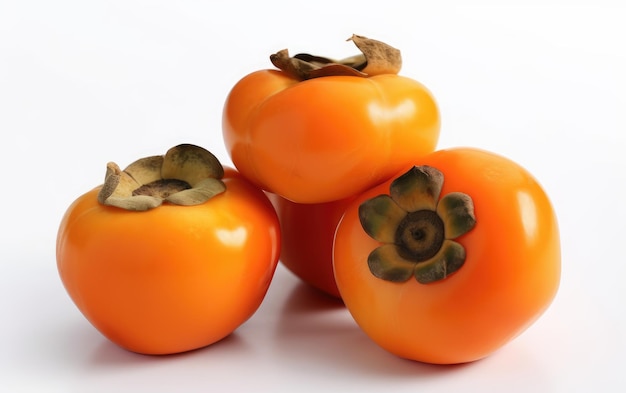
<point x="376" y="58"/>
<point x="186" y="175"/>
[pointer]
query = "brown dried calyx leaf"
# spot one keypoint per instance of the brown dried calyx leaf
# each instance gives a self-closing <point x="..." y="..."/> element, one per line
<point x="186" y="175"/>
<point x="376" y="58"/>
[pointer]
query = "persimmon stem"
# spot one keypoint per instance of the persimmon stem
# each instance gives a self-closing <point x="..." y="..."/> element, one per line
<point x="162" y="188"/>
<point x="185" y="175"/>
<point x="376" y="58"/>
<point x="420" y="235"/>
<point x="417" y="229"/>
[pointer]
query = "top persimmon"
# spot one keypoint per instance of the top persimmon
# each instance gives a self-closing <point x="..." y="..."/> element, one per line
<point x="318" y="130"/>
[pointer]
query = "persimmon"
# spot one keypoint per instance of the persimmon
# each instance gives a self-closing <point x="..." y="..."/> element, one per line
<point x="307" y="233"/>
<point x="317" y="130"/>
<point x="451" y="258"/>
<point x="171" y="254"/>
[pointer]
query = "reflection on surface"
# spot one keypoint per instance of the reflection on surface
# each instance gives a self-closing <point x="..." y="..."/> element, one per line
<point x="234" y="237"/>
<point x="529" y="214"/>
<point x="404" y="109"/>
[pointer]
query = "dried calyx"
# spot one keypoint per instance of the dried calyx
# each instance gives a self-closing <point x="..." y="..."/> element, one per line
<point x="417" y="229"/>
<point x="186" y="175"/>
<point x="376" y="58"/>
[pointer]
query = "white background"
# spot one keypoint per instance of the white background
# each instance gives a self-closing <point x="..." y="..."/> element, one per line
<point x="83" y="83"/>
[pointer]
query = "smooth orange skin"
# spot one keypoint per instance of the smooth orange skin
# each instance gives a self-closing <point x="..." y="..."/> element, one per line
<point x="307" y="237"/>
<point x="328" y="138"/>
<point x="171" y="279"/>
<point x="510" y="276"/>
